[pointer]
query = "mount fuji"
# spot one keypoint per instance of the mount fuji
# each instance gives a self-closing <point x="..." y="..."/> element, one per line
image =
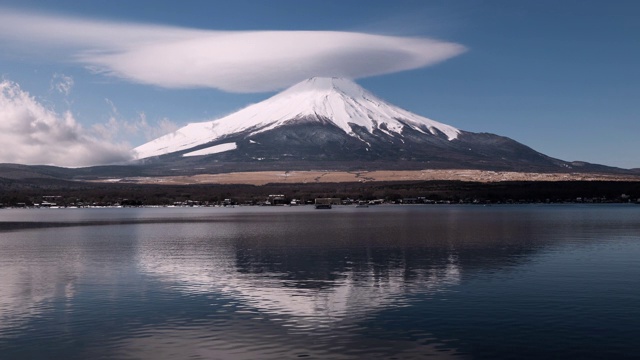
<point x="333" y="123"/>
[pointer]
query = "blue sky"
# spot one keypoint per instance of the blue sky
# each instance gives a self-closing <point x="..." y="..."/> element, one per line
<point x="559" y="76"/>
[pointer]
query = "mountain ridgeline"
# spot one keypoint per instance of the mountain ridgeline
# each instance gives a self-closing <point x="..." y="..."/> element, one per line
<point x="334" y="124"/>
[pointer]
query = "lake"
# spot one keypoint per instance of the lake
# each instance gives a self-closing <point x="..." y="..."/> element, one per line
<point x="387" y="282"/>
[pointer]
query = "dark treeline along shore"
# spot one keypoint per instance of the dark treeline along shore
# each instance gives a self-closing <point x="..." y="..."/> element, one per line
<point x="73" y="193"/>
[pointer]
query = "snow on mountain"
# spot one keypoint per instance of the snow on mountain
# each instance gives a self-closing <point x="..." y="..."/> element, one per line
<point x="340" y="101"/>
<point x="213" y="149"/>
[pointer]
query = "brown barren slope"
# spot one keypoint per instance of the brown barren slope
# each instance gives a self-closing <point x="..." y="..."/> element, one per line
<point x="297" y="177"/>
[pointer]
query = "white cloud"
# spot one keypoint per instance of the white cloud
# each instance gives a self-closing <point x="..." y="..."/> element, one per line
<point x="33" y="134"/>
<point x="235" y="61"/>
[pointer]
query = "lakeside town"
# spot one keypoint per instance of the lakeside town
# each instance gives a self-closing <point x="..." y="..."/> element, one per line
<point x="60" y="202"/>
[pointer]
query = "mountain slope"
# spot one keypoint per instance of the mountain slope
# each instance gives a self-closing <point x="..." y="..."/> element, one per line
<point x="334" y="123"/>
<point x="335" y="101"/>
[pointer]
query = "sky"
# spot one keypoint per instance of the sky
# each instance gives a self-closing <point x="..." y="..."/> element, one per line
<point x="83" y="82"/>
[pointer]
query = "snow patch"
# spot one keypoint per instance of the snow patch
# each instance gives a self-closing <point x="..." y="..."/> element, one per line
<point x="213" y="149"/>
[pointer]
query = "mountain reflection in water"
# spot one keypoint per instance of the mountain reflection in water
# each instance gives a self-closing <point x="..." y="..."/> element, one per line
<point x="385" y="281"/>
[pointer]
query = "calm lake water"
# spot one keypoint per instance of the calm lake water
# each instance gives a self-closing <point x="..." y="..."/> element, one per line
<point x="395" y="282"/>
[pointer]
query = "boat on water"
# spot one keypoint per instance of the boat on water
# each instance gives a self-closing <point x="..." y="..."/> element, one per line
<point x="362" y="204"/>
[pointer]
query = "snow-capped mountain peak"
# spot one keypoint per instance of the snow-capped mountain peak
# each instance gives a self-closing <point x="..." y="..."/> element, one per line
<point x="335" y="100"/>
<point x="319" y="84"/>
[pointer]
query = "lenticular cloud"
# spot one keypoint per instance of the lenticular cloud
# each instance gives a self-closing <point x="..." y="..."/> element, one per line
<point x="234" y="61"/>
<point x="268" y="60"/>
<point x="32" y="134"/>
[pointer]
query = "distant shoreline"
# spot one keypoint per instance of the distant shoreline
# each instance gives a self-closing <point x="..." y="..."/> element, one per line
<point x="437" y="186"/>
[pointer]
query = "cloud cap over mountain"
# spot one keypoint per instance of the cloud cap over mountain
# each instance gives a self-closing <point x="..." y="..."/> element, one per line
<point x="233" y="61"/>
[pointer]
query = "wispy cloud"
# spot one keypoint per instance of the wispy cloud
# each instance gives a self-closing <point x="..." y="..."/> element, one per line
<point x="118" y="127"/>
<point x="234" y="61"/>
<point x="62" y="83"/>
<point x="30" y="133"/>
